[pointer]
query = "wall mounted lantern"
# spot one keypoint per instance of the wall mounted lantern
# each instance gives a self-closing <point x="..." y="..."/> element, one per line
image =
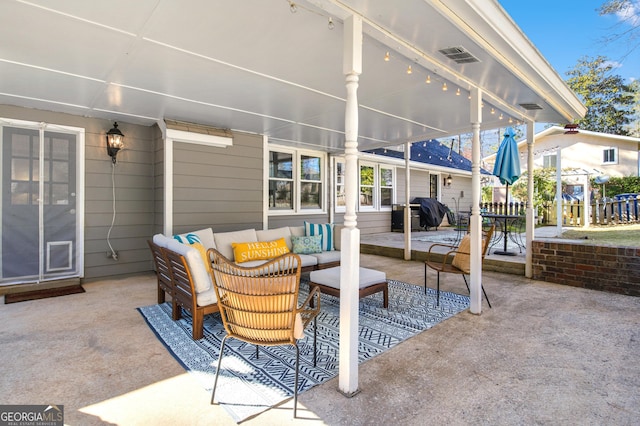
<point x="448" y="180"/>
<point x="115" y="142"/>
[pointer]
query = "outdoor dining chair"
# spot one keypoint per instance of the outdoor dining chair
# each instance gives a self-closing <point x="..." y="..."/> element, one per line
<point x="259" y="306"/>
<point x="456" y="260"/>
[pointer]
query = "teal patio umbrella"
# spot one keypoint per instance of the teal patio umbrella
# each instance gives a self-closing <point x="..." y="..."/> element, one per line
<point x="507" y="168"/>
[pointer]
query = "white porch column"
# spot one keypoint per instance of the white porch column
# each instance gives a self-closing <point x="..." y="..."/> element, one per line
<point x="559" y="200"/>
<point x="586" y="200"/>
<point x="476" y="196"/>
<point x="530" y="218"/>
<point x="407" y="208"/>
<point x="350" y="255"/>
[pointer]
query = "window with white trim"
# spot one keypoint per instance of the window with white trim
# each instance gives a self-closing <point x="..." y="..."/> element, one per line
<point x="550" y="161"/>
<point x="340" y="204"/>
<point x="386" y="186"/>
<point x="310" y="182"/>
<point x="376" y="186"/>
<point x="367" y="186"/>
<point x="610" y="156"/>
<point x="296" y="181"/>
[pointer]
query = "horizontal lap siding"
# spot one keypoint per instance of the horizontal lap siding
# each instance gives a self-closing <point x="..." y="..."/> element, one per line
<point x="370" y="222"/>
<point x="219" y="188"/>
<point x="134" y="192"/>
<point x="297" y="220"/>
<point x="134" y="188"/>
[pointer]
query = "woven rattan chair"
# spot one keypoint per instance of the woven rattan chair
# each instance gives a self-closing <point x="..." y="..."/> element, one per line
<point x="259" y="305"/>
<point x="455" y="261"/>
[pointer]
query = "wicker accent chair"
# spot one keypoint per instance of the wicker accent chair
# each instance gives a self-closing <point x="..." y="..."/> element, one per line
<point x="456" y="260"/>
<point x="185" y="293"/>
<point x="162" y="272"/>
<point x="259" y="305"/>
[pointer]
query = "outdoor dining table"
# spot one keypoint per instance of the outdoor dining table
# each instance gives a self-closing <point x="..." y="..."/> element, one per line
<point x="505" y="223"/>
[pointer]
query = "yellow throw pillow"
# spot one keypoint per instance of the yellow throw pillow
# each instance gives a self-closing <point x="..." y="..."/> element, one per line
<point x="462" y="260"/>
<point x="203" y="252"/>
<point x="261" y="250"/>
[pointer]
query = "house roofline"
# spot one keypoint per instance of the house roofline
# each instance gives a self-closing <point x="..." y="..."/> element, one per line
<point x="553" y="130"/>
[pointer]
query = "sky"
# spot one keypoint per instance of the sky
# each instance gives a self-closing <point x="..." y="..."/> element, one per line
<point x="566" y="30"/>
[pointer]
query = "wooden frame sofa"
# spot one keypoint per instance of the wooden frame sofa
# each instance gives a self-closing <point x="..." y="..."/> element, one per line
<point x="184" y="272"/>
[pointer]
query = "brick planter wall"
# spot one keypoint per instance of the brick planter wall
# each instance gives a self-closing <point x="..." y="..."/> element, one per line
<point x="612" y="269"/>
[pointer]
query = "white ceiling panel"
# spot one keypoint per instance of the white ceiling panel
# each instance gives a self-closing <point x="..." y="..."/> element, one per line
<point x="254" y="66"/>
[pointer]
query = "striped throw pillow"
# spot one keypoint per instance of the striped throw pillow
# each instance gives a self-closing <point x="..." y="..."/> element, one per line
<point x="187" y="238"/>
<point x="323" y="229"/>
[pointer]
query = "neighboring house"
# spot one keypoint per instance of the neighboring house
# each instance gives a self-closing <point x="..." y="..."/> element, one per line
<point x="583" y="155"/>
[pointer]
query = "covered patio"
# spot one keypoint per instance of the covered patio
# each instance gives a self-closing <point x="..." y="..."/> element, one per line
<point x="334" y="76"/>
<point x="543" y="355"/>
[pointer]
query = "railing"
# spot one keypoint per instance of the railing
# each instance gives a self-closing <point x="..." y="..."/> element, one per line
<point x="615" y="212"/>
<point x="503" y="209"/>
<point x="608" y="212"/>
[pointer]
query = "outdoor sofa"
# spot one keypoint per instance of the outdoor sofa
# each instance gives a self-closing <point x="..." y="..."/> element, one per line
<point x="190" y="286"/>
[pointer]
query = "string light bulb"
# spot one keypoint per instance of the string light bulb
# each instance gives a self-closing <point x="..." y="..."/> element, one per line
<point x="444" y="87"/>
<point x="458" y="92"/>
<point x="331" y="24"/>
<point x="510" y="120"/>
<point x="501" y="116"/>
<point x="428" y="80"/>
<point x="409" y="70"/>
<point x="292" y="7"/>
<point x="387" y="57"/>
<point x="493" y="111"/>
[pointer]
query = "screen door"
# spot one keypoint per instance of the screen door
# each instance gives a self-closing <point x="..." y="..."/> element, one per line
<point x="39" y="204"/>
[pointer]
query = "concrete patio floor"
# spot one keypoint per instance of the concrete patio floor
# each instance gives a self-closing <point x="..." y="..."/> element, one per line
<point x="545" y="354"/>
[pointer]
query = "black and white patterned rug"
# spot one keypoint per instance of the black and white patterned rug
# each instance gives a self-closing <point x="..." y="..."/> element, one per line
<point x="248" y="385"/>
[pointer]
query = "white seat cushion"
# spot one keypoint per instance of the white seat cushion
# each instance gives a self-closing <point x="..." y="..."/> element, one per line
<point x="308" y="260"/>
<point x="161" y="240"/>
<point x="199" y="274"/>
<point x="224" y="239"/>
<point x="331" y="277"/>
<point x="205" y="235"/>
<point x="207" y="297"/>
<point x="327" y="256"/>
<point x="275" y="234"/>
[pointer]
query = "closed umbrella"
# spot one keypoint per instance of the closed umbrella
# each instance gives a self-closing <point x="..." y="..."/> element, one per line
<point x="507" y="168"/>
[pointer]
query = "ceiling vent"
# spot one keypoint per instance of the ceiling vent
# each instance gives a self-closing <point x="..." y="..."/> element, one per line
<point x="459" y="54"/>
<point x="530" y="107"/>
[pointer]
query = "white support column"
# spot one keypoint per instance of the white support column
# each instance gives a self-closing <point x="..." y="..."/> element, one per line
<point x="586" y="200"/>
<point x="559" y="200"/>
<point x="407" y="208"/>
<point x="530" y="218"/>
<point x="350" y="254"/>
<point x="476" y="196"/>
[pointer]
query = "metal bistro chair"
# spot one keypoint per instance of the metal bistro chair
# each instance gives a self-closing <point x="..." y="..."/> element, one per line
<point x="259" y="305"/>
<point x="459" y="264"/>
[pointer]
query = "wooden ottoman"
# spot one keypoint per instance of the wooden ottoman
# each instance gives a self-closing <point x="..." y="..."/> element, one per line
<point x="371" y="281"/>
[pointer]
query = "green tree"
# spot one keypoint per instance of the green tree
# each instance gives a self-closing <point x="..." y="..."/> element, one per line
<point x="618" y="185"/>
<point x="544" y="184"/>
<point x="634" y="127"/>
<point x="610" y="102"/>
